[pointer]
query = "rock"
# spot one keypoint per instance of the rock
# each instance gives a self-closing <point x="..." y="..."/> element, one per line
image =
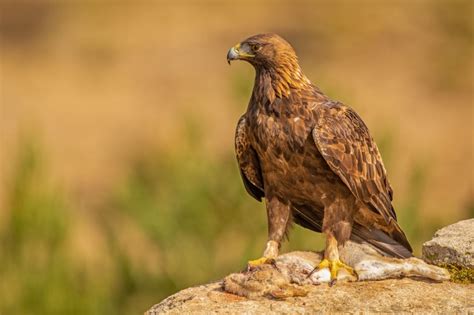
<point x="387" y="296"/>
<point x="285" y="288"/>
<point x="452" y="245"/>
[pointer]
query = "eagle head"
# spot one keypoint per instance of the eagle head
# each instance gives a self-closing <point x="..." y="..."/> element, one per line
<point x="263" y="50"/>
<point x="276" y="63"/>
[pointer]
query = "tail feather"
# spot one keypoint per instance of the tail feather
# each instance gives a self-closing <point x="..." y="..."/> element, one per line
<point x="399" y="236"/>
<point x="395" y="245"/>
<point x="381" y="241"/>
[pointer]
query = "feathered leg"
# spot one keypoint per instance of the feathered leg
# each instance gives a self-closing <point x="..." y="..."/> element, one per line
<point x="278" y="215"/>
<point x="337" y="225"/>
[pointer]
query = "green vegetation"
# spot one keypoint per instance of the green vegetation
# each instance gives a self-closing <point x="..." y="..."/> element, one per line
<point x="177" y="220"/>
<point x="461" y="274"/>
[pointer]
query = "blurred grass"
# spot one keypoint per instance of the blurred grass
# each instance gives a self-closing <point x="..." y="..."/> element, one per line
<point x="190" y="211"/>
<point x="37" y="276"/>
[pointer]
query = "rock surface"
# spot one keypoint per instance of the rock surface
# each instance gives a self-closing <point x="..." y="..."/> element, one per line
<point x="452" y="245"/>
<point x="388" y="296"/>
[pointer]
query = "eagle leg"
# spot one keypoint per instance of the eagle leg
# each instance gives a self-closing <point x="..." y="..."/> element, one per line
<point x="269" y="255"/>
<point x="278" y="215"/>
<point x="332" y="262"/>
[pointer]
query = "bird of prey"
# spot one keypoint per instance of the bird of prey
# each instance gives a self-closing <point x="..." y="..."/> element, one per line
<point x="312" y="159"/>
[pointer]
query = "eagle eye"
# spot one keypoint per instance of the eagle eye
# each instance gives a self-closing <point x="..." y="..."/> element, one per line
<point x="255" y="47"/>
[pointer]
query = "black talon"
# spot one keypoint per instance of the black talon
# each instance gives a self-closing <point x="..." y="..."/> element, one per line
<point x="311" y="273"/>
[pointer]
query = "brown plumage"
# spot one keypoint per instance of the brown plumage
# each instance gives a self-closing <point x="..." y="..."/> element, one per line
<point x="311" y="158"/>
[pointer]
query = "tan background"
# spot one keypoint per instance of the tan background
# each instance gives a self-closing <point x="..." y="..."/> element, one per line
<point x="94" y="84"/>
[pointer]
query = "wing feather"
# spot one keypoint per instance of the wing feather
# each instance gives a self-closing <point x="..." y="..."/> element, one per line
<point x="345" y="143"/>
<point x="249" y="164"/>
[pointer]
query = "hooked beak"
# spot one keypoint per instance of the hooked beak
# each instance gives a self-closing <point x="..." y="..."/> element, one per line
<point x="239" y="52"/>
<point x="232" y="54"/>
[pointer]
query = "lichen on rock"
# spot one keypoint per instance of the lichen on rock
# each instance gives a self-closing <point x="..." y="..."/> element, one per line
<point x="452" y="247"/>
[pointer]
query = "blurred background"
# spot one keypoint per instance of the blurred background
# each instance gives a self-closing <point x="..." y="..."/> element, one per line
<point x="119" y="184"/>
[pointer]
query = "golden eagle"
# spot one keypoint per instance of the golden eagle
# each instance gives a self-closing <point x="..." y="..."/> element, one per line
<point x="311" y="158"/>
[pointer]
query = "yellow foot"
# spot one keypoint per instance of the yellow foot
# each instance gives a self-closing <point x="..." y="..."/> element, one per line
<point x="334" y="266"/>
<point x="260" y="261"/>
